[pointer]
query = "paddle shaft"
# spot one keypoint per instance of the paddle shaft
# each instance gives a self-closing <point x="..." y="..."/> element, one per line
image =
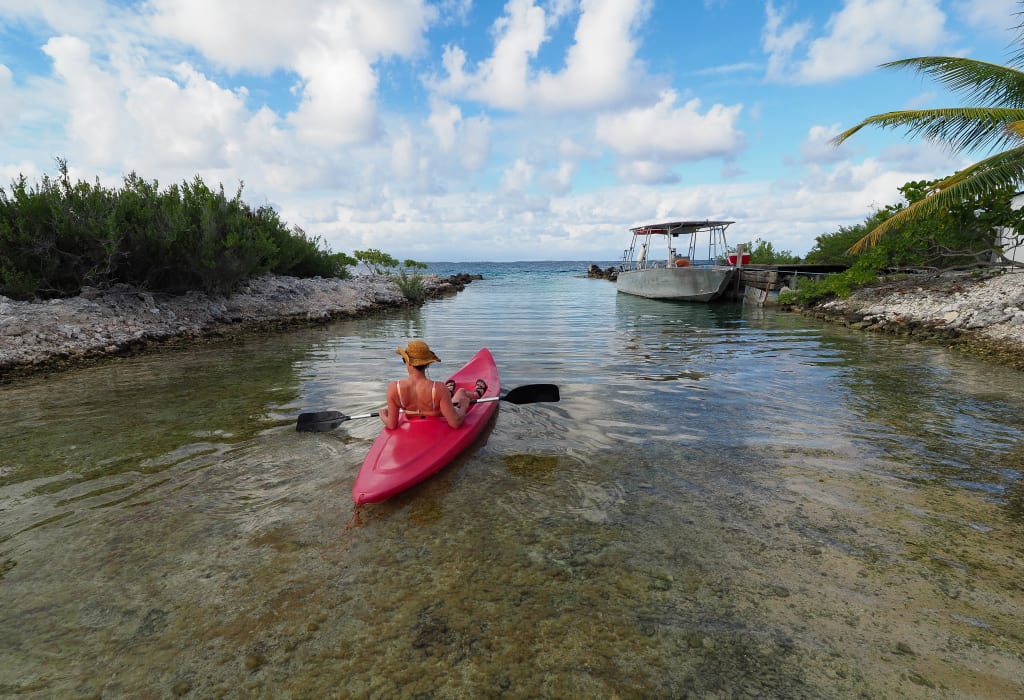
<point x="364" y="415"/>
<point x="324" y="421"/>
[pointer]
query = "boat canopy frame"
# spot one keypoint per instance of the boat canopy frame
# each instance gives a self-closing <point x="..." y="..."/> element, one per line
<point x="717" y="247"/>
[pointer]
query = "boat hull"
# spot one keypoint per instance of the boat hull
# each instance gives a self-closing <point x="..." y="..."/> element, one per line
<point x="680" y="283"/>
<point x="420" y="447"/>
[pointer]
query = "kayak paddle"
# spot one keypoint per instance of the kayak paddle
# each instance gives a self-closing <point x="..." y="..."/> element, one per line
<point x="325" y="421"/>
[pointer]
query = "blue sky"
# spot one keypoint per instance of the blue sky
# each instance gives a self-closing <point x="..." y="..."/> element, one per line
<point x="469" y="130"/>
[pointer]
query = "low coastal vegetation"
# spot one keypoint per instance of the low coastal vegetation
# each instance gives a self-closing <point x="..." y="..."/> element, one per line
<point x="959" y="236"/>
<point x="763" y="253"/>
<point x="59" y="236"/>
<point x="409" y="281"/>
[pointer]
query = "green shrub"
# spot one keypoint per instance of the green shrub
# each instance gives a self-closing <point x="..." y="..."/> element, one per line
<point x="411" y="285"/>
<point x="54" y="237"/>
<point x="763" y="253"/>
<point x="57" y="237"/>
<point x="376" y="262"/>
<point x="962" y="234"/>
<point x="409" y="282"/>
<point x="841" y="284"/>
<point x="302" y="256"/>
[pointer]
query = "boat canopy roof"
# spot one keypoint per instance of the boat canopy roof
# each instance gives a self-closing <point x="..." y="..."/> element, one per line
<point x="675" y="228"/>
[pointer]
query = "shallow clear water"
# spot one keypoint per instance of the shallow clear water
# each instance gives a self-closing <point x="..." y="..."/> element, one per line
<point x="727" y="502"/>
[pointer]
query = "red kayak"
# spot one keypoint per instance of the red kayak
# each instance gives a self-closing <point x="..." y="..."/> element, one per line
<point x="418" y="448"/>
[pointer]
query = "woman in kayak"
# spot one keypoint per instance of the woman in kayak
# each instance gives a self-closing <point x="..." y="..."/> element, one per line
<point x="420" y="397"/>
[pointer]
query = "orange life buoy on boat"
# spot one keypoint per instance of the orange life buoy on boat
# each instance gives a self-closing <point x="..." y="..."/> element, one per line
<point x="682" y="262"/>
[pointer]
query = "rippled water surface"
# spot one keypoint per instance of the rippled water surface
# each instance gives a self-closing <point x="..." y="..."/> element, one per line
<point x="727" y="502"/>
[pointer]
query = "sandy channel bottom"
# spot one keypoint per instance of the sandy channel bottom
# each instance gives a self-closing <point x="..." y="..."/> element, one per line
<point x="802" y="581"/>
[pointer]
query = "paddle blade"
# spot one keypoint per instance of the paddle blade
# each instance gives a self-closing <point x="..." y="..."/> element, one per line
<point x="533" y="393"/>
<point x="320" y="421"/>
<point x="324" y="421"/>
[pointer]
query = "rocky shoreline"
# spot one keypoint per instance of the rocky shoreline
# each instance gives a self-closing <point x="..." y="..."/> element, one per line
<point x="982" y="314"/>
<point x="42" y="336"/>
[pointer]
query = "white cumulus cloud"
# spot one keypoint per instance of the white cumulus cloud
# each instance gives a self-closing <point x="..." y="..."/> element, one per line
<point x="645" y="172"/>
<point x="95" y="121"/>
<point x="600" y="66"/>
<point x="993" y="16"/>
<point x="444" y="120"/>
<point x="817" y="147"/>
<point x="517" y="177"/>
<point x="559" y="180"/>
<point x="466" y="139"/>
<point x="331" y="47"/>
<point x="664" y="132"/>
<point x="338" y="103"/>
<point x="8" y="101"/>
<point x="860" y="36"/>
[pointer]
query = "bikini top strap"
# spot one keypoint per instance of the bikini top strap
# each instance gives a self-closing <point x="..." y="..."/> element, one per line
<point x="433" y="398"/>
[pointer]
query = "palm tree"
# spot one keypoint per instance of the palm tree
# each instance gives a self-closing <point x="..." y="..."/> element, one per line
<point x="993" y="121"/>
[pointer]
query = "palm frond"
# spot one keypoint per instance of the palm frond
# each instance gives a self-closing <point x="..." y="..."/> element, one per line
<point x="959" y="128"/>
<point x="1018" y="58"/>
<point x="974" y="181"/>
<point x="992" y="119"/>
<point x="978" y="82"/>
<point x="1016" y="128"/>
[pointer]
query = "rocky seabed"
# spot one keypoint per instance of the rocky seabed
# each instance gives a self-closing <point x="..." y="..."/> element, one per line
<point x="123" y="320"/>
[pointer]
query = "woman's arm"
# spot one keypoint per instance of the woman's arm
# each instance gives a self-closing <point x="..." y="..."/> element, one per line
<point x="452" y="413"/>
<point x="389" y="414"/>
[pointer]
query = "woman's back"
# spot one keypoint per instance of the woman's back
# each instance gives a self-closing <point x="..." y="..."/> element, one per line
<point x="418" y="396"/>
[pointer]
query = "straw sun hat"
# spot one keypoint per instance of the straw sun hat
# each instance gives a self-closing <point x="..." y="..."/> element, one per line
<point x="418" y="354"/>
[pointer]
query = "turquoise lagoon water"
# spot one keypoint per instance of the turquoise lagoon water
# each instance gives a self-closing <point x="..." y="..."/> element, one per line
<point x="728" y="501"/>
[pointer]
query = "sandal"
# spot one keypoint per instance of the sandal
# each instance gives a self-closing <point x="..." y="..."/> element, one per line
<point x="481" y="388"/>
<point x="450" y="386"/>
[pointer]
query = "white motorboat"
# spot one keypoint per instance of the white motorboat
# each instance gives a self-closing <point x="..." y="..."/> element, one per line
<point x="653" y="267"/>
